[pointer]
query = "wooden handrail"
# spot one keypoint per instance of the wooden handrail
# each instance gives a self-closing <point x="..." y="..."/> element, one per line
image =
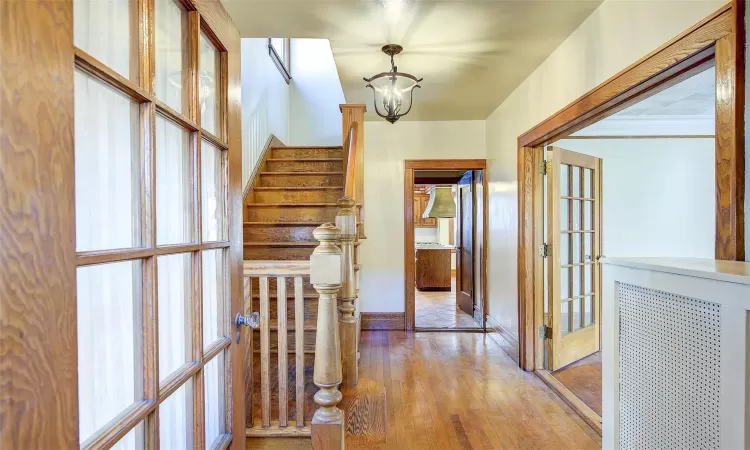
<point x="262" y="268"/>
<point x="350" y="184"/>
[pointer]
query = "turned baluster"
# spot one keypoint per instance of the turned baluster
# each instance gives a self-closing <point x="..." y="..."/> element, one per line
<point x="346" y="221"/>
<point x="325" y="276"/>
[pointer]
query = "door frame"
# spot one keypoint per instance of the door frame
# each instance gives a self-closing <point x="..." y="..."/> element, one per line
<point x="38" y="256"/>
<point x="409" y="271"/>
<point x="719" y="39"/>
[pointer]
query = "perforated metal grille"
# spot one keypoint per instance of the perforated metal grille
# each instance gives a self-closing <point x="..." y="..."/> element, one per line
<point x="670" y="371"/>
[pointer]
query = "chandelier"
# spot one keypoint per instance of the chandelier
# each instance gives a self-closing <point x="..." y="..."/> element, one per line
<point x="392" y="90"/>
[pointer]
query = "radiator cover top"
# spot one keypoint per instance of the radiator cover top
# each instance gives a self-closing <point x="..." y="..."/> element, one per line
<point x="670" y="370"/>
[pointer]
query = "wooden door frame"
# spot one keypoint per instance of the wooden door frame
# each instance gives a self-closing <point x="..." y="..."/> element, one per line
<point x="38" y="259"/>
<point x="718" y="39"/>
<point x="409" y="276"/>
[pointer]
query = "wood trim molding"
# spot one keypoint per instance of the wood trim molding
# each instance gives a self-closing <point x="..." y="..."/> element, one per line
<point x="380" y="321"/>
<point x="504" y="338"/>
<point x="582" y="409"/>
<point x="716" y="39"/>
<point x="409" y="270"/>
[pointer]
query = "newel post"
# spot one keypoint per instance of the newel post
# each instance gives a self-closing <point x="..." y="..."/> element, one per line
<point x="325" y="276"/>
<point x="346" y="221"/>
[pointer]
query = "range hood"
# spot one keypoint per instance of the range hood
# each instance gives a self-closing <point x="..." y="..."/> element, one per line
<point x="441" y="204"/>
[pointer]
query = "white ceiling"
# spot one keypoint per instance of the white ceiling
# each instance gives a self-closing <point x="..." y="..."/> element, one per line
<point x="687" y="108"/>
<point x="471" y="53"/>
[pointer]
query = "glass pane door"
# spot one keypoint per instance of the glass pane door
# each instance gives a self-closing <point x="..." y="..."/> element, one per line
<point x="151" y="227"/>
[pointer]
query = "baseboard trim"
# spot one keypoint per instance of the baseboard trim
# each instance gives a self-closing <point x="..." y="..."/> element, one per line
<point x="502" y="336"/>
<point x="371" y="321"/>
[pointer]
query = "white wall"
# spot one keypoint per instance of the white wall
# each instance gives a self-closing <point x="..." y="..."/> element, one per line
<point x="618" y="33"/>
<point x="304" y="112"/>
<point x="386" y="148"/>
<point x="315" y="94"/>
<point x="658" y="195"/>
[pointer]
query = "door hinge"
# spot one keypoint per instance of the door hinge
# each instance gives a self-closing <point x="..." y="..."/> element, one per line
<point x="545" y="332"/>
<point x="545" y="167"/>
<point x="544" y="250"/>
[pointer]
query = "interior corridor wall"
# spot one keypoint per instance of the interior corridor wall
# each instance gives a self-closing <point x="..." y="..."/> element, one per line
<point x="616" y="34"/>
<point x="659" y="195"/>
<point x="386" y="148"/>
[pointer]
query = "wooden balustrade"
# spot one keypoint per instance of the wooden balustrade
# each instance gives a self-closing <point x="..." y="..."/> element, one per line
<point x="346" y="221"/>
<point x="325" y="275"/>
<point x="280" y="270"/>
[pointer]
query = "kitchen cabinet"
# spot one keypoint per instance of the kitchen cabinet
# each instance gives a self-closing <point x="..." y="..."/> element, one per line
<point x="420" y="205"/>
<point x="433" y="269"/>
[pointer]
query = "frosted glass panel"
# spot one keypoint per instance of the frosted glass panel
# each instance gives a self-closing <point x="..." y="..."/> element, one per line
<point x="588" y="319"/>
<point x="176" y="419"/>
<point x="577" y="281"/>
<point x="576" y="187"/>
<point x="213" y="380"/>
<point x="102" y="28"/>
<point x="587" y="186"/>
<point x="564" y="180"/>
<point x="174" y="216"/>
<point x="564" y="214"/>
<point x="577" y="314"/>
<point x="576" y="214"/>
<point x="577" y="248"/>
<point x="170" y="29"/>
<point x="209" y="76"/>
<point x="213" y="193"/>
<point x="565" y="317"/>
<point x="588" y="287"/>
<point x="133" y="440"/>
<point x="564" y="246"/>
<point x="564" y="283"/>
<point x="214" y="295"/>
<point x="587" y="208"/>
<point x="109" y="342"/>
<point x="175" y="275"/>
<point x="107" y="167"/>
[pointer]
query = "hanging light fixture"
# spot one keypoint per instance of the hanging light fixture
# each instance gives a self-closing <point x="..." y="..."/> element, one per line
<point x="441" y="204"/>
<point x="393" y="90"/>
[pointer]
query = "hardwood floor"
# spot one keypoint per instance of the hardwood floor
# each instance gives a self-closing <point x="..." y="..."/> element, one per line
<point x="584" y="379"/>
<point x="462" y="391"/>
<point x="435" y="309"/>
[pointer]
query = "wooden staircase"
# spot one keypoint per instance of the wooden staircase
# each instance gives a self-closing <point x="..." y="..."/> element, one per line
<point x="293" y="191"/>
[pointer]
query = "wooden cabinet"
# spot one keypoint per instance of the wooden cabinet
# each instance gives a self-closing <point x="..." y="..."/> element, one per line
<point x="433" y="269"/>
<point x="420" y="205"/>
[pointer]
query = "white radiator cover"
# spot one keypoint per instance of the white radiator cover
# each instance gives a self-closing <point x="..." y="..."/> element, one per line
<point x="675" y="354"/>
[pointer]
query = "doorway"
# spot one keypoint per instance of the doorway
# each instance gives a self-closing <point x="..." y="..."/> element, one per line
<point x="445" y="245"/>
<point x="636" y="184"/>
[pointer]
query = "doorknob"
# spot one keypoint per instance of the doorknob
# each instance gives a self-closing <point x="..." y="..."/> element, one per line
<point x="600" y="257"/>
<point x="252" y="321"/>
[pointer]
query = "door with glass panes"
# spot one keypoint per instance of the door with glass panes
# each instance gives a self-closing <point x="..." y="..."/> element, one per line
<point x="573" y="239"/>
<point x="152" y="212"/>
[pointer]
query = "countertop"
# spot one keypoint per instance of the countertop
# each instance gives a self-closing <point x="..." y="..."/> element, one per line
<point x="728" y="271"/>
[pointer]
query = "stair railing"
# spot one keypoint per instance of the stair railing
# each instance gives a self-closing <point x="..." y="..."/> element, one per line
<point x="265" y="271"/>
<point x="326" y="268"/>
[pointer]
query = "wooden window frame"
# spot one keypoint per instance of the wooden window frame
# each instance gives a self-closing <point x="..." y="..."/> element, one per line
<point x="719" y="40"/>
<point x="283" y="64"/>
<point x="48" y="358"/>
<point x="409" y="270"/>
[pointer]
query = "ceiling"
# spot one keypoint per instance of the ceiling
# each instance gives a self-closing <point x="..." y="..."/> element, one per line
<point x="687" y="108"/>
<point x="471" y="53"/>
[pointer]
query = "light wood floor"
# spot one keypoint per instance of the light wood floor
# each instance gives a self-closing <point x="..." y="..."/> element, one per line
<point x="462" y="391"/>
<point x="584" y="379"/>
<point x="435" y="309"/>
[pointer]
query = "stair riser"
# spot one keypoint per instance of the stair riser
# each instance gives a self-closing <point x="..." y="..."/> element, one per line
<point x="272" y="180"/>
<point x="305" y="166"/>
<point x="279" y="254"/>
<point x="311" y="309"/>
<point x="258" y="233"/>
<point x="305" y="153"/>
<point x="274" y="341"/>
<point x="313" y="214"/>
<point x="298" y="196"/>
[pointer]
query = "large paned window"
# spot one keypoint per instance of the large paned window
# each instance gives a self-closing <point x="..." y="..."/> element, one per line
<point x="151" y="227"/>
<point x="279" y="49"/>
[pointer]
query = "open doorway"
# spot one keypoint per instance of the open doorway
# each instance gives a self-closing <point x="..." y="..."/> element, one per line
<point x="639" y="183"/>
<point x="445" y="245"/>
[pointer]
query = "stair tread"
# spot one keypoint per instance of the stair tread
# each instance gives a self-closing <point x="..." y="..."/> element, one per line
<point x="287" y="223"/>
<point x="307" y="147"/>
<point x="302" y="173"/>
<point x="249" y="205"/>
<point x="285" y="244"/>
<point x="298" y="188"/>
<point x="305" y="159"/>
